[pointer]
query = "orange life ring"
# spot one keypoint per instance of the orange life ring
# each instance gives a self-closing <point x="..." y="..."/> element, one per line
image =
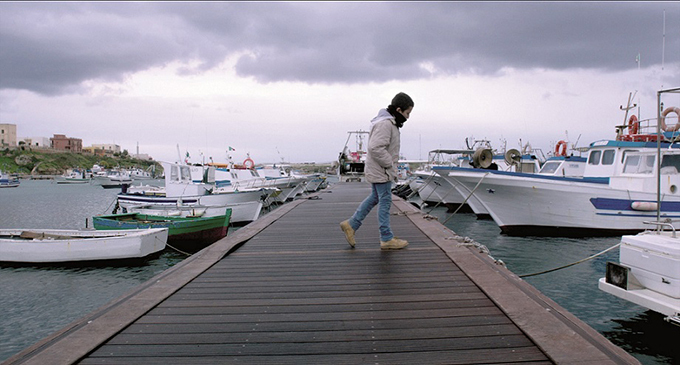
<point x="633" y="125"/>
<point x="248" y="163"/>
<point x="663" y="125"/>
<point x="561" y="148"/>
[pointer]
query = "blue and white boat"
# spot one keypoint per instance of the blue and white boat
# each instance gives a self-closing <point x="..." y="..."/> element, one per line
<point x="648" y="271"/>
<point x="8" y="180"/>
<point x="616" y="194"/>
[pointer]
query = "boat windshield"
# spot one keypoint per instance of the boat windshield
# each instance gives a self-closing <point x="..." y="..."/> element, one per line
<point x="639" y="164"/>
<point x="550" y="167"/>
<point x="670" y="164"/>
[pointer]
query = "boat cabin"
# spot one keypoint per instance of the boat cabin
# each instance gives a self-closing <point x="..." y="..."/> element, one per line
<point x="179" y="179"/>
<point x="639" y="172"/>
<point x="606" y="157"/>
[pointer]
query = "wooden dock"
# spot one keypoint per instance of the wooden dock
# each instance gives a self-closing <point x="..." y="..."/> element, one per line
<point x="288" y="289"/>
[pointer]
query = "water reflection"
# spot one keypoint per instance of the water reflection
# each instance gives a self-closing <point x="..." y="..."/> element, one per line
<point x="647" y="333"/>
<point x="643" y="334"/>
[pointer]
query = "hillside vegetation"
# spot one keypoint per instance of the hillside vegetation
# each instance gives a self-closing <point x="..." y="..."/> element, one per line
<point x="27" y="161"/>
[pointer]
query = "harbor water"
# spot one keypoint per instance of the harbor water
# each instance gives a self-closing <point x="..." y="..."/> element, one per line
<point x="38" y="301"/>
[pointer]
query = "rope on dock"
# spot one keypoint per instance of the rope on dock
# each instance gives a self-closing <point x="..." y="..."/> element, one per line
<point x="573" y="263"/>
<point x="469" y="242"/>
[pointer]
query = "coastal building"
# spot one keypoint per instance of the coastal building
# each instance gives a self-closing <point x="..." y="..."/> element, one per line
<point x="142" y="156"/>
<point x="62" y="143"/>
<point x="108" y="148"/>
<point x="8" y="135"/>
<point x="96" y="151"/>
<point x="37" y="142"/>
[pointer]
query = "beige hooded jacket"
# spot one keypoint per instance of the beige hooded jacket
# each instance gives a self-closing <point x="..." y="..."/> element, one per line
<point x="383" y="149"/>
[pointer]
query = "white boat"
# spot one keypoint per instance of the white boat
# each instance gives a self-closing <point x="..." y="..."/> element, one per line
<point x="8" y="180"/>
<point x="648" y="273"/>
<point x="241" y="213"/>
<point x="181" y="189"/>
<point x="350" y="165"/>
<point x="115" y="179"/>
<point x="615" y="195"/>
<point x="179" y="210"/>
<point x="434" y="189"/>
<point x="76" y="176"/>
<point x="548" y="205"/>
<point x="282" y="187"/>
<point x="139" y="174"/>
<point x="45" y="246"/>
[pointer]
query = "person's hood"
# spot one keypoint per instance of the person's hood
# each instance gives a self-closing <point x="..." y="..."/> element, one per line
<point x="382" y="115"/>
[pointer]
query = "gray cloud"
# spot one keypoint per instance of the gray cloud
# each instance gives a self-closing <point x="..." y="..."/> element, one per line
<point x="51" y="48"/>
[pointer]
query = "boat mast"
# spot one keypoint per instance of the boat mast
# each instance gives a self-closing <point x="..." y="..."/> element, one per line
<point x="659" y="106"/>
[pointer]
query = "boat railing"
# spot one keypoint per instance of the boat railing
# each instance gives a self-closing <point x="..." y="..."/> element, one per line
<point x="660" y="224"/>
<point x="649" y="126"/>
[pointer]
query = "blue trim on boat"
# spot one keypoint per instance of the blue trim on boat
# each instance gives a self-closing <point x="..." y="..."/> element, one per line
<point x="157" y="199"/>
<point x="589" y="180"/>
<point x="625" y="205"/>
<point x="614" y="143"/>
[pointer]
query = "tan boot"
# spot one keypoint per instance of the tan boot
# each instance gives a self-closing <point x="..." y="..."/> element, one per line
<point x="393" y="244"/>
<point x="349" y="232"/>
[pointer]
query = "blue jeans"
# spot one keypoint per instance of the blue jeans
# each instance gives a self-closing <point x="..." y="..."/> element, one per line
<point x="381" y="195"/>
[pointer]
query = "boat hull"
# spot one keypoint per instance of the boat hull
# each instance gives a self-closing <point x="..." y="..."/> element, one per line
<point x="81" y="246"/>
<point x="434" y="190"/>
<point x="198" y="231"/>
<point x="532" y="205"/>
<point x="648" y="274"/>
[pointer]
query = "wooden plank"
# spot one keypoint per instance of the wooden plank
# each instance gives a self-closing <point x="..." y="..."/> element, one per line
<point x="475" y="356"/>
<point x="349" y="300"/>
<point x="127" y="338"/>
<point x="342" y="325"/>
<point x="339" y="346"/>
<point x="311" y="317"/>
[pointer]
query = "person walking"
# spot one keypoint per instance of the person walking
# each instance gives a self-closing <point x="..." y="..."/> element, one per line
<point x="381" y="170"/>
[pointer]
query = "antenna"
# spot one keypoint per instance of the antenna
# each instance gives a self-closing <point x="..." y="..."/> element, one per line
<point x="663" y="46"/>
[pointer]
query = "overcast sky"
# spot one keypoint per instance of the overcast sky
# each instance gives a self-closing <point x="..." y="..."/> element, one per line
<point x="288" y="80"/>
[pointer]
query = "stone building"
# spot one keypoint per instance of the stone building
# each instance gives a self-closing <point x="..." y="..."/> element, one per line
<point x="62" y="143"/>
<point x="8" y="135"/>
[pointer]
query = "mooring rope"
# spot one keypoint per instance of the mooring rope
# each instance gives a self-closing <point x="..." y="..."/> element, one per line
<point x="107" y="208"/>
<point x="573" y="263"/>
<point x="178" y="250"/>
<point x="468" y="197"/>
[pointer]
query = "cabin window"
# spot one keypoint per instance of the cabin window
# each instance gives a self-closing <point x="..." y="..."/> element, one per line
<point x="608" y="157"/>
<point x="647" y="167"/>
<point x="631" y="164"/>
<point x="174" y="175"/>
<point x="623" y="155"/>
<point x="594" y="158"/>
<point x="670" y="164"/>
<point x="637" y="164"/>
<point x="186" y="173"/>
<point x="550" y="167"/>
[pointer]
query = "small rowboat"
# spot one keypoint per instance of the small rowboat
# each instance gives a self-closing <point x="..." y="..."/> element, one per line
<point x="184" y="232"/>
<point x="45" y="246"/>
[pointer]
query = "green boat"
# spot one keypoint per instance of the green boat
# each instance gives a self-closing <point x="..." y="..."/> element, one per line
<point x="186" y="233"/>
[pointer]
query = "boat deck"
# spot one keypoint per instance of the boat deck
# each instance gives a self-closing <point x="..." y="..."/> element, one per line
<point x="287" y="289"/>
